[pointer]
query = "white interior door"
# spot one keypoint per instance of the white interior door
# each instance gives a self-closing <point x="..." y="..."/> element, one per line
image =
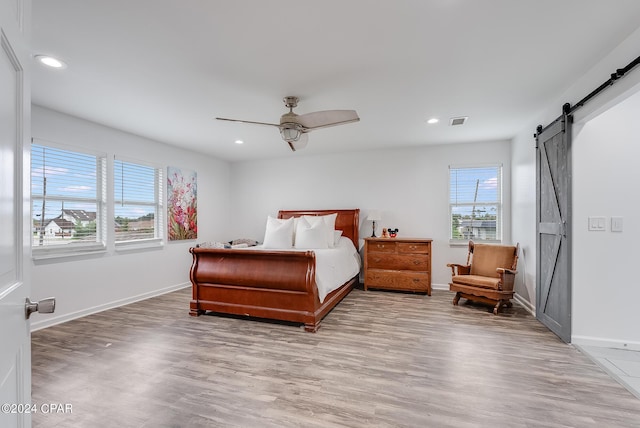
<point x="15" y="347"/>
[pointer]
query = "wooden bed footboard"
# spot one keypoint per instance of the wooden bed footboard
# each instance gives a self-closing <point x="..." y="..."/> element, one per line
<point x="255" y="268"/>
<point x="264" y="284"/>
<point x="273" y="284"/>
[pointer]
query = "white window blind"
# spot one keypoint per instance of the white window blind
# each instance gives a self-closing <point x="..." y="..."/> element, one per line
<point x="475" y="203"/>
<point x="137" y="201"/>
<point x="66" y="191"/>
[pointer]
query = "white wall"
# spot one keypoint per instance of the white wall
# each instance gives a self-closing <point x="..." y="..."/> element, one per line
<point x="409" y="186"/>
<point x="87" y="284"/>
<point x="606" y="181"/>
<point x="523" y="211"/>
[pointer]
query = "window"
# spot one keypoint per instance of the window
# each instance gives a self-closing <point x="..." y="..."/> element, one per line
<point x="137" y="203"/>
<point x="66" y="195"/>
<point x="475" y="203"/>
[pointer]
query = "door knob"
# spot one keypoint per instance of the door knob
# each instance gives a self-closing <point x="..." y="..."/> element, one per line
<point x="44" y="306"/>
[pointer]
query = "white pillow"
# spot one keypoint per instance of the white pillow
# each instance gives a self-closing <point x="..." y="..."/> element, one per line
<point x="336" y="237"/>
<point x="311" y="236"/>
<point x="329" y="220"/>
<point x="295" y="227"/>
<point x="278" y="233"/>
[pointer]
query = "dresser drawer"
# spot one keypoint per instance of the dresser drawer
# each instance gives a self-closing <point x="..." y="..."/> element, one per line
<point x="398" y="261"/>
<point x="413" y="247"/>
<point x="379" y="278"/>
<point x="382" y="247"/>
<point x="413" y="281"/>
<point x="398" y="280"/>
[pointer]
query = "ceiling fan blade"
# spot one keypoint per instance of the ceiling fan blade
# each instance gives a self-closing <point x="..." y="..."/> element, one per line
<point x="249" y="122"/>
<point x="326" y="118"/>
<point x="301" y="143"/>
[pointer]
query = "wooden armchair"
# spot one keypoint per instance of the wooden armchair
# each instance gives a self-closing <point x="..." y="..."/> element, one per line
<point x="488" y="276"/>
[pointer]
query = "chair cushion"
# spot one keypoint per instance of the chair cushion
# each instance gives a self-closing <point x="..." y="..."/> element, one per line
<point x="487" y="258"/>
<point x="477" y="281"/>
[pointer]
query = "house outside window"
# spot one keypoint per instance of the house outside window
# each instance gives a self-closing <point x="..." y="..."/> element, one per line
<point x="138" y="207"/>
<point x="67" y="190"/>
<point x="475" y="204"/>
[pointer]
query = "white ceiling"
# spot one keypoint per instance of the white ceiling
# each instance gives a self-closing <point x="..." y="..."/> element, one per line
<point x="164" y="69"/>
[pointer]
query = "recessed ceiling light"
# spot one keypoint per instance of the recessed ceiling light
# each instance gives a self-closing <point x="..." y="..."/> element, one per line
<point x="433" y="120"/>
<point x="50" y="61"/>
<point x="239" y="142"/>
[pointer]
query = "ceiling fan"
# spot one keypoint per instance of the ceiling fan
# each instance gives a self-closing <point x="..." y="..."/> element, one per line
<point x="295" y="127"/>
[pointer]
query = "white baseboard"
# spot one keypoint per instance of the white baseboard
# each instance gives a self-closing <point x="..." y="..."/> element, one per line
<point x="49" y="321"/>
<point x="440" y="287"/>
<point x="525" y="304"/>
<point x="605" y="343"/>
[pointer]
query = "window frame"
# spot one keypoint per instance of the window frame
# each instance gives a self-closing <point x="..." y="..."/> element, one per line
<point x="78" y="248"/>
<point x="158" y="204"/>
<point x="499" y="204"/>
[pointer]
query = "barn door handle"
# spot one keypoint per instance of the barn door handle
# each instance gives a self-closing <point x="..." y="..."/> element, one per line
<point x="44" y="306"/>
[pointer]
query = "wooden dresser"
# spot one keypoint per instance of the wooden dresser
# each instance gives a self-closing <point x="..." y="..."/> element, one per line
<point x="398" y="264"/>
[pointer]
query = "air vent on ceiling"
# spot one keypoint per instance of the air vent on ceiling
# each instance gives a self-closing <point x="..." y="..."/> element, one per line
<point x="454" y="121"/>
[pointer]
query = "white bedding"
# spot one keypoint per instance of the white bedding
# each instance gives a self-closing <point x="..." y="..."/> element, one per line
<point x="334" y="266"/>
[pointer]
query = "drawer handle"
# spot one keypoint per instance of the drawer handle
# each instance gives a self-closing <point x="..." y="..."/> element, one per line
<point x="416" y="280"/>
<point x="380" y="245"/>
<point x="413" y="247"/>
<point x="417" y="262"/>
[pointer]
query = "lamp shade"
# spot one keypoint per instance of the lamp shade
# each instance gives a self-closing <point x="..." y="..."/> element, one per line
<point x="374" y="216"/>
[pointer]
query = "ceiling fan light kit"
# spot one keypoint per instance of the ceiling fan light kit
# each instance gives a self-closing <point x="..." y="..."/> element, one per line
<point x="290" y="132"/>
<point x="294" y="128"/>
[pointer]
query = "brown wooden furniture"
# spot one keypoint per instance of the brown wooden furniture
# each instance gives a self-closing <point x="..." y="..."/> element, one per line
<point x="487" y="277"/>
<point x="274" y="284"/>
<point x="398" y="264"/>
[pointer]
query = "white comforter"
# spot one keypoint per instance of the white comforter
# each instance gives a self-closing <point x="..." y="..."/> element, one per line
<point x="334" y="266"/>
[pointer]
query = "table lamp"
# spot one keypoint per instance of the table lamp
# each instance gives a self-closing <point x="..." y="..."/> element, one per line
<point x="373" y="217"/>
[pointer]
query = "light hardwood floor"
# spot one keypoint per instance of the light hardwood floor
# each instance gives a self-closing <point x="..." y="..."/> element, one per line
<point x="380" y="359"/>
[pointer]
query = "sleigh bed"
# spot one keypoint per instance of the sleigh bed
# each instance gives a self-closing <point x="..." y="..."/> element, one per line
<point x="271" y="284"/>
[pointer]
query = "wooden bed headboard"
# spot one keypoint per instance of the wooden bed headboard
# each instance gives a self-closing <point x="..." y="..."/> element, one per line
<point x="348" y="221"/>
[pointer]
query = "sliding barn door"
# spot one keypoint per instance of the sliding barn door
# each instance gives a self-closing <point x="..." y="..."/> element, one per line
<point x="553" y="206"/>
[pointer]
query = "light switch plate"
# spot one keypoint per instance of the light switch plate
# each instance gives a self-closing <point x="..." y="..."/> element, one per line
<point x="616" y="224"/>
<point x="597" y="224"/>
